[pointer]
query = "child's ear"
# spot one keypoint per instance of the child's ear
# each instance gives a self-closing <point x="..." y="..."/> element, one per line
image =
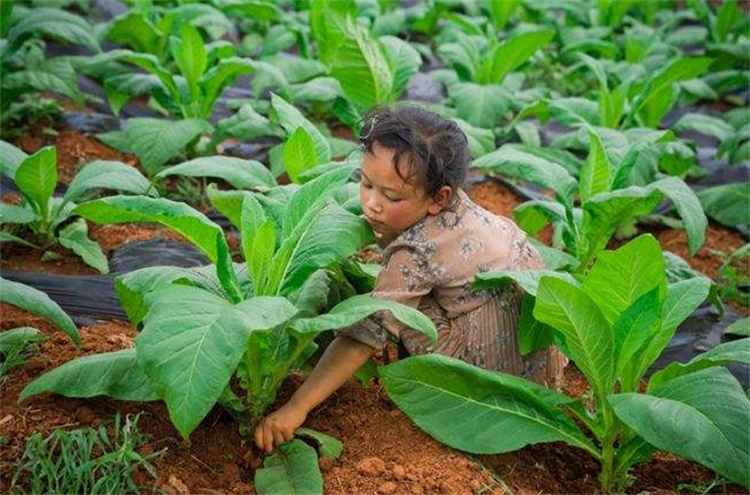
<point x="440" y="200"/>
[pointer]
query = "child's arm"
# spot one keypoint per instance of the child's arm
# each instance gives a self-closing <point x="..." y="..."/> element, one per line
<point x="343" y="357"/>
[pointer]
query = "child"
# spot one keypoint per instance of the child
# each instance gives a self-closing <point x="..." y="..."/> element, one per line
<point x="436" y="239"/>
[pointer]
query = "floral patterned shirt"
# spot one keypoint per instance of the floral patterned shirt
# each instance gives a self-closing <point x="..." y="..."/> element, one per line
<point x="431" y="265"/>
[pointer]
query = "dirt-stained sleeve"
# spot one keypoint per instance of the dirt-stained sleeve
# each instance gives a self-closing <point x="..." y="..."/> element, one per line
<point x="404" y="279"/>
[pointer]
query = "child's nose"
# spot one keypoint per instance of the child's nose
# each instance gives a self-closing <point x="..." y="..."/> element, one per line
<point x="373" y="205"/>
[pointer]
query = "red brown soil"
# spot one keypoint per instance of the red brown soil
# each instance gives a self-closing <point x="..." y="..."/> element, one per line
<point x="74" y="149"/>
<point x="383" y="451"/>
<point x="718" y="238"/>
<point x="498" y="199"/>
<point x="708" y="259"/>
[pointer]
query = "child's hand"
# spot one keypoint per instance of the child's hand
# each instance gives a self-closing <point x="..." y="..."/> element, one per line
<point x="278" y="427"/>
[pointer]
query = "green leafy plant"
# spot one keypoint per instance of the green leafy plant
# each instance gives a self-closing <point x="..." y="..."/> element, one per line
<point x="612" y="323"/>
<point x="49" y="217"/>
<point x="638" y="100"/>
<point x="732" y="132"/>
<point x="732" y="277"/>
<point x="202" y="72"/>
<point x="26" y="70"/>
<point x="370" y="70"/>
<point x="604" y="183"/>
<point x="230" y="333"/>
<point x="482" y="89"/>
<point x="85" y="460"/>
<point x="147" y="28"/>
<point x="17" y="346"/>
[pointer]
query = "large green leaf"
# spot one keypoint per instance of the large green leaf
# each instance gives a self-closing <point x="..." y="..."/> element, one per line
<point x="515" y="51"/>
<point x="75" y="236"/>
<point x="403" y="60"/>
<point x="132" y="287"/>
<point x="220" y="76"/>
<point x="318" y="189"/>
<point x="657" y="98"/>
<point x="702" y="416"/>
<point x="228" y="203"/>
<point x="10" y="158"/>
<point x="682" y="299"/>
<point x="595" y="172"/>
<point x="36" y="178"/>
<point x="705" y="124"/>
<point x="258" y="249"/>
<point x="589" y="337"/>
<point x="189" y="53"/>
<point x="10" y="213"/>
<point x="620" y="277"/>
<point x="55" y="75"/>
<point x="293" y="470"/>
<point x="329" y="447"/>
<point x="105" y="174"/>
<point x="328" y="236"/>
<point x="156" y="141"/>
<point x="740" y="327"/>
<point x="635" y="327"/>
<point x="52" y="23"/>
<point x="191" y="343"/>
<point x="361" y="68"/>
<point x="192" y="224"/>
<point x="240" y="173"/>
<point x="738" y="350"/>
<point x="501" y="11"/>
<point x="359" y="307"/>
<point x="114" y="374"/>
<point x="511" y="162"/>
<point x="482" y="106"/>
<point x="528" y="280"/>
<point x="37" y="302"/>
<point x="688" y="206"/>
<point x="727" y="203"/>
<point x="604" y="213"/>
<point x="290" y="119"/>
<point x="134" y="29"/>
<point x="475" y="410"/>
<point x="299" y="154"/>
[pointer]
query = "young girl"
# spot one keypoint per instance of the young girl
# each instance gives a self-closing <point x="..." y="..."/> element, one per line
<point x="436" y="239"/>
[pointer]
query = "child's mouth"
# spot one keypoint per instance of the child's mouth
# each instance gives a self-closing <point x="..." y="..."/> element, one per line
<point x="375" y="225"/>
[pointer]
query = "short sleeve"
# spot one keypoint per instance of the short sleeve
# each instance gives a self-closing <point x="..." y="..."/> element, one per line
<point x="404" y="279"/>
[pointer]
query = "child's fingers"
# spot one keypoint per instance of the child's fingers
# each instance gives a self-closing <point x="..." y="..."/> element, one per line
<point x="258" y="435"/>
<point x="288" y="435"/>
<point x="263" y="437"/>
<point x="278" y="436"/>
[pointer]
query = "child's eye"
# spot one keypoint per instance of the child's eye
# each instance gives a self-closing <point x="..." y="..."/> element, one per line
<point x="366" y="185"/>
<point x="392" y="199"/>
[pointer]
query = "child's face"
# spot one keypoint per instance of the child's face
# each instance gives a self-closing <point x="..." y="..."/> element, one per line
<point x="390" y="204"/>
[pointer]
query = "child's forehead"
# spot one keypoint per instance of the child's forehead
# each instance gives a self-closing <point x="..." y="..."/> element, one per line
<point x="378" y="167"/>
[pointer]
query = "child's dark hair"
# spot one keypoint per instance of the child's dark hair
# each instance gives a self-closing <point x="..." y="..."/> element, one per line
<point x="436" y="149"/>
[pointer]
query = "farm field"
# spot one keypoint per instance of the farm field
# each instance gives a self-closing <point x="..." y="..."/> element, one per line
<point x="181" y="237"/>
